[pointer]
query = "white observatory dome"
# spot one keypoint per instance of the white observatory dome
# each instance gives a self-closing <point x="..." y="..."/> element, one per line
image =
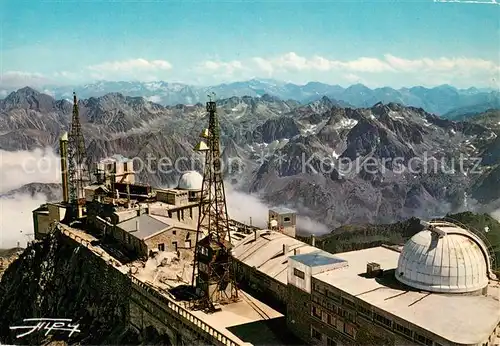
<point x="192" y="181"/>
<point x="444" y="258"/>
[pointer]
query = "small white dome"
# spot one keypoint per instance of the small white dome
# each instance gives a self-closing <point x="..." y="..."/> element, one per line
<point x="192" y="181"/>
<point x="444" y="258"/>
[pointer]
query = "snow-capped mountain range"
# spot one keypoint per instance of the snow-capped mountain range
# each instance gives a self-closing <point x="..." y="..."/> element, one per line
<point x="438" y="100"/>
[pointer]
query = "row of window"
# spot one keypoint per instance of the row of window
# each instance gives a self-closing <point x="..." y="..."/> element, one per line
<point x="335" y="320"/>
<point x="367" y="312"/>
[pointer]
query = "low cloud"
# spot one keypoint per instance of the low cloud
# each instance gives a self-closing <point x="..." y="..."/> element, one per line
<point x="242" y="206"/>
<point x="19" y="79"/>
<point x="373" y="71"/>
<point x="16" y="221"/>
<point x="496" y="214"/>
<point x="18" y="168"/>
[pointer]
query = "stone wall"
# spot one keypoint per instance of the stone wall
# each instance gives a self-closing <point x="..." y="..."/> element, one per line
<point x="298" y="313"/>
<point x="262" y="284"/>
<point x="61" y="277"/>
<point x="184" y="238"/>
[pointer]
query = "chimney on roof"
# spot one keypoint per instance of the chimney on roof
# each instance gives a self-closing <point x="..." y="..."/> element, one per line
<point x="137" y="224"/>
<point x="313" y="240"/>
<point x="285" y="249"/>
<point x="255" y="234"/>
<point x="296" y="252"/>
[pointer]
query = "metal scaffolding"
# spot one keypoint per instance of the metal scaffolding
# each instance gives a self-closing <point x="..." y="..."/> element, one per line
<point x="215" y="278"/>
<point x="79" y="176"/>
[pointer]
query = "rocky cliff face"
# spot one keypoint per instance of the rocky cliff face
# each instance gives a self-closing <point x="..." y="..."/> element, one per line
<point x="55" y="278"/>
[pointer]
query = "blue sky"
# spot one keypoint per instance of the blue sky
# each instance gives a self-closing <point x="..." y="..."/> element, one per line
<point x="378" y="43"/>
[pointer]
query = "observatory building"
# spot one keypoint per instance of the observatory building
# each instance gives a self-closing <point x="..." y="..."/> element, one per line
<point x="438" y="289"/>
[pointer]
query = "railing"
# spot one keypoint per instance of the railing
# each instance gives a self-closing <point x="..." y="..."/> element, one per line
<point x="242" y="225"/>
<point x="172" y="306"/>
<point x="87" y="244"/>
<point x="180" y="311"/>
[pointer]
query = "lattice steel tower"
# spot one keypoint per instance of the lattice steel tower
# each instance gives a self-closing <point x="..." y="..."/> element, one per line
<point x="79" y="176"/>
<point x="212" y="260"/>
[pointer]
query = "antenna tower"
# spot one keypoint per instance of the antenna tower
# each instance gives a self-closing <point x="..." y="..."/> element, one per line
<point x="79" y="176"/>
<point x="212" y="258"/>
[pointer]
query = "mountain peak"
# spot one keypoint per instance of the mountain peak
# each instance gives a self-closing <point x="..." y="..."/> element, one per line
<point x="28" y="98"/>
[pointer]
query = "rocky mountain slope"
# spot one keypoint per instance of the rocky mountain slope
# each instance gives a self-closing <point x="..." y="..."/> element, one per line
<point x="336" y="164"/>
<point x="439" y="100"/>
<point x="51" y="191"/>
<point x="48" y="279"/>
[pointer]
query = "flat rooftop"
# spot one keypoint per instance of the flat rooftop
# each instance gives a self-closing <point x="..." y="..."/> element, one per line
<point x="442" y="314"/>
<point x="282" y="210"/>
<point x="266" y="252"/>
<point x="316" y="259"/>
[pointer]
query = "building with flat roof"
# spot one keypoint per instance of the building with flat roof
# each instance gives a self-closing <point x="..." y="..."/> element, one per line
<point x="420" y="294"/>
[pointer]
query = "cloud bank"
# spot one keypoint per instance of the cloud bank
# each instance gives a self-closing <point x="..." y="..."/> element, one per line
<point x="242" y="207"/>
<point x="16" y="221"/>
<point x="17" y="169"/>
<point x="374" y="71"/>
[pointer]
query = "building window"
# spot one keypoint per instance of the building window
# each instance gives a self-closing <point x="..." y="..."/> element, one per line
<point x="330" y="342"/>
<point x="403" y="330"/>
<point x="330" y="320"/>
<point x="174" y="232"/>
<point x="286" y="219"/>
<point x="423" y="340"/>
<point x="348" y="303"/>
<point x="316" y="312"/>
<point x="161" y="247"/>
<point x="174" y="244"/>
<point x="364" y="311"/>
<point x="383" y="320"/>
<point x="349" y="329"/>
<point x="315" y="334"/>
<point x="348" y="315"/>
<point x="125" y="167"/>
<point x="187" y="244"/>
<point x="298" y="273"/>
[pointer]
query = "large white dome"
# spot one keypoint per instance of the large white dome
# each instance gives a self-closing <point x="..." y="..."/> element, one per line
<point x="192" y="181"/>
<point x="444" y="258"/>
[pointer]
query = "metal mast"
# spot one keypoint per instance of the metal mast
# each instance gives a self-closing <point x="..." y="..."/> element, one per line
<point x="212" y="258"/>
<point x="79" y="176"/>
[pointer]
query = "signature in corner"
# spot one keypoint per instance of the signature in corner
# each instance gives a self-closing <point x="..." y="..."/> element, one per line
<point x="47" y="324"/>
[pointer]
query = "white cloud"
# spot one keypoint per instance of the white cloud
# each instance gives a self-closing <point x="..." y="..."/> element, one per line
<point x="16" y="221"/>
<point x="133" y="69"/>
<point x="243" y="207"/>
<point x="132" y="64"/>
<point x="18" y="168"/>
<point x="19" y="79"/>
<point x="226" y="69"/>
<point x="388" y="70"/>
<point x="390" y="63"/>
<point x="154" y="98"/>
